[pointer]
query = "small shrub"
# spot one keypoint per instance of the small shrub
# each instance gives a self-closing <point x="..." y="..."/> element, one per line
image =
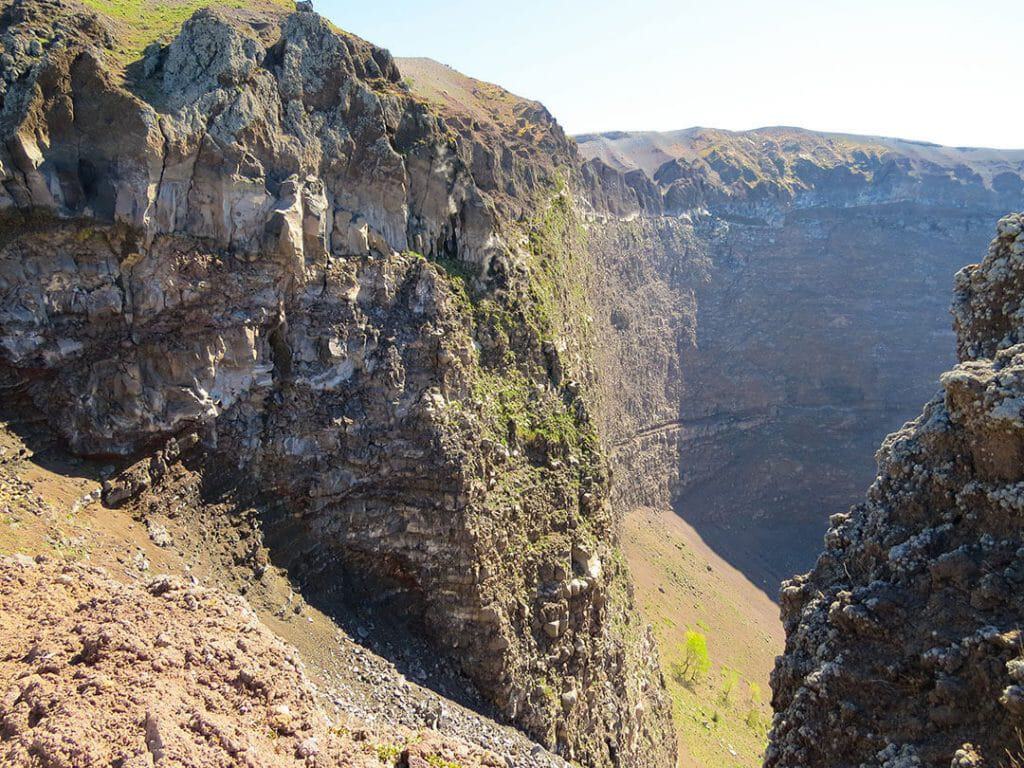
<point x="387" y="753"/>
<point x="696" y="660"/>
<point x="732" y="679"/>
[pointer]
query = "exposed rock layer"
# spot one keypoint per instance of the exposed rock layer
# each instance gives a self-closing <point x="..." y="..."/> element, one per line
<point x="259" y="254"/>
<point x="904" y="642"/>
<point x="793" y="318"/>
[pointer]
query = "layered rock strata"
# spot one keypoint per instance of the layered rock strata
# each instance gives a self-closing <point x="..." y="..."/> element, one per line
<point x="795" y="317"/>
<point x="256" y="252"/>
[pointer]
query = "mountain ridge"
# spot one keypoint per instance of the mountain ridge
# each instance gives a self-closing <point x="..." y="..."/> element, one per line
<point x="607" y="143"/>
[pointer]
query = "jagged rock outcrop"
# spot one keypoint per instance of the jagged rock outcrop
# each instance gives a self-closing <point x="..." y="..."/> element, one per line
<point x="801" y="303"/>
<point x="256" y="252"/>
<point x="904" y="642"/>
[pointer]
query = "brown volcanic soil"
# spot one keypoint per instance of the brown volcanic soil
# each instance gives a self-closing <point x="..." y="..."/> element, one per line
<point x="171" y="674"/>
<point x="683" y="584"/>
<point x="98" y="571"/>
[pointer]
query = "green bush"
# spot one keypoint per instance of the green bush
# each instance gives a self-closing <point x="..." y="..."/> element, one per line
<point x="696" y="662"/>
<point x="732" y="679"/>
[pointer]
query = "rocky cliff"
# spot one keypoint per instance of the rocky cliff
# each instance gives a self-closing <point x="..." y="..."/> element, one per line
<point x="904" y="642"/>
<point x="255" y="274"/>
<point x="778" y="297"/>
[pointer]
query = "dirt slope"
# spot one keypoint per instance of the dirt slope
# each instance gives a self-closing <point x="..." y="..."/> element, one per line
<point x="50" y="509"/>
<point x="682" y="584"/>
<point x="172" y="675"/>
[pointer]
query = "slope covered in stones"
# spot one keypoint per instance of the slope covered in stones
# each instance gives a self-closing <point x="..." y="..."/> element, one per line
<point x="372" y="676"/>
<point x="904" y="643"/>
<point x="257" y="277"/>
<point x="169" y="674"/>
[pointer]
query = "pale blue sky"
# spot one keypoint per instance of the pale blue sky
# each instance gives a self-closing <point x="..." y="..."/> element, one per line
<point x="942" y="70"/>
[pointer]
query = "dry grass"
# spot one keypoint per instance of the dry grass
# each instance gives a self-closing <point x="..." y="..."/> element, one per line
<point x="1015" y="755"/>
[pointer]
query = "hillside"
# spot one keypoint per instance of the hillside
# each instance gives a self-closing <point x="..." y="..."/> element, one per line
<point x="170" y="674"/>
<point x="354" y="696"/>
<point x="723" y="713"/>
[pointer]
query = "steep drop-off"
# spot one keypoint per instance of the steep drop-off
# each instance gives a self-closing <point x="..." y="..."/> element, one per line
<point x="262" y="280"/>
<point x="777" y="300"/>
<point x="904" y="642"/>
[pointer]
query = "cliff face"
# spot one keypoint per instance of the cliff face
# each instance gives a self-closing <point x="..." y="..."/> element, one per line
<point x="798" y="314"/>
<point x="351" y="313"/>
<point x="904" y="641"/>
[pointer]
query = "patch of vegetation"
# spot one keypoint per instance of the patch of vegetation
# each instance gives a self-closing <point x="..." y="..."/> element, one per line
<point x="755" y="692"/>
<point x="757" y="722"/>
<point x="558" y="245"/>
<point x="524" y="415"/>
<point x="141" y="22"/>
<point x="696" y="662"/>
<point x="436" y="761"/>
<point x="387" y="753"/>
<point x="515" y="323"/>
<point x="731" y="680"/>
<point x="67" y="548"/>
<point x="462" y="271"/>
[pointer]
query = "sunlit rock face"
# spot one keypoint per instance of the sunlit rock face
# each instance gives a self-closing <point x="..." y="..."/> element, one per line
<point x="256" y="251"/>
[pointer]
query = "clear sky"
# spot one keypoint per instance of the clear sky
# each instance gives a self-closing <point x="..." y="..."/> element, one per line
<point x="948" y="71"/>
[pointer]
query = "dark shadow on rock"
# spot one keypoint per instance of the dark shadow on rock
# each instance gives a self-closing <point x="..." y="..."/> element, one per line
<point x="764" y="495"/>
<point x="766" y="555"/>
<point x="385" y="616"/>
<point x="25" y="420"/>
